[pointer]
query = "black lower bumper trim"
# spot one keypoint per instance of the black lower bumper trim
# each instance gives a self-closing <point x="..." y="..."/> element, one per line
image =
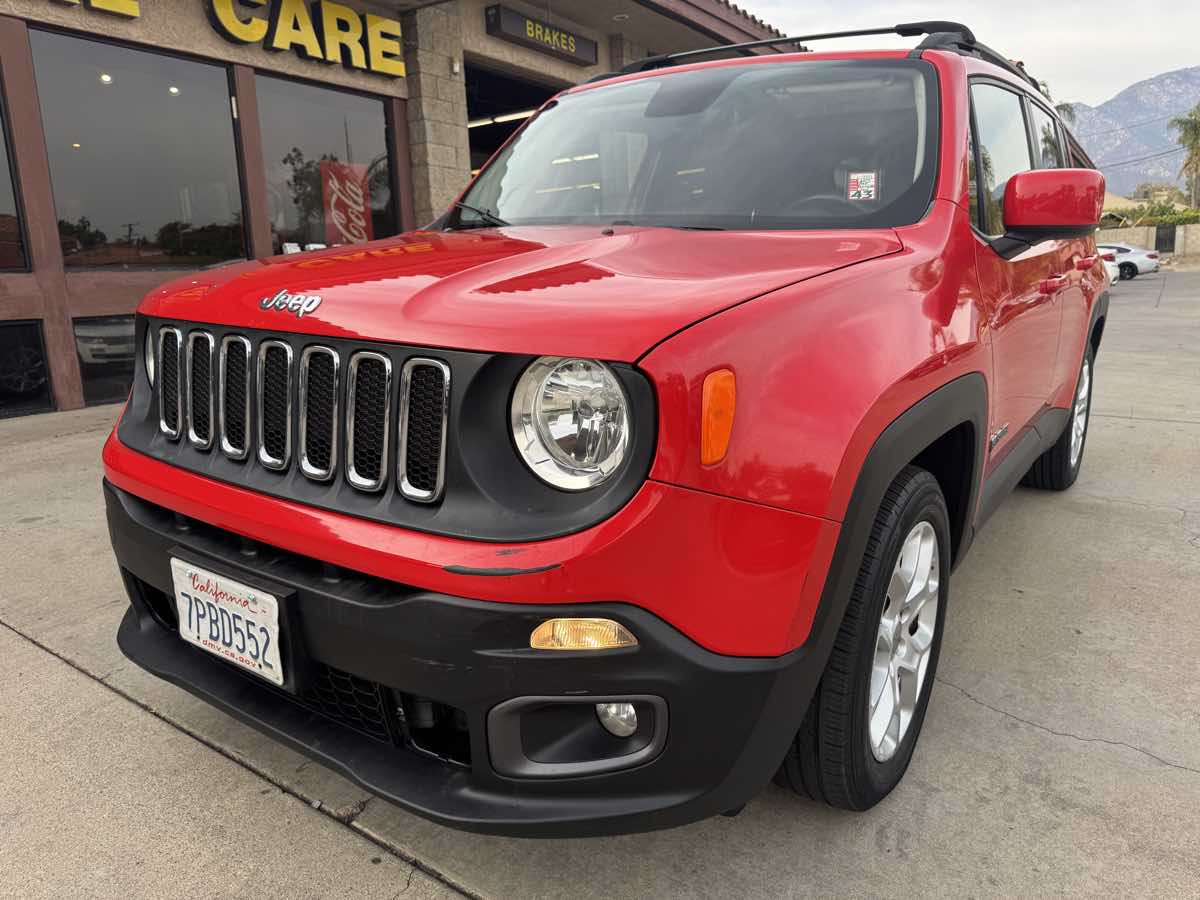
<point x="730" y="719"/>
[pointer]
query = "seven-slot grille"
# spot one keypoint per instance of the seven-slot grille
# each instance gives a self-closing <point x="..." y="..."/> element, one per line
<point x="248" y="400"/>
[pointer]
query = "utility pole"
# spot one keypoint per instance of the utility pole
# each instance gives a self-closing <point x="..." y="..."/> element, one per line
<point x="129" y="226"/>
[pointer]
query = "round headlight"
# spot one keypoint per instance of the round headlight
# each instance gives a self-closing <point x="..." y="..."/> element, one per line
<point x="570" y="421"/>
<point x="150" y="355"/>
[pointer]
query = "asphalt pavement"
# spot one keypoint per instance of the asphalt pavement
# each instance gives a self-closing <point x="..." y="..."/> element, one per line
<point x="1060" y="753"/>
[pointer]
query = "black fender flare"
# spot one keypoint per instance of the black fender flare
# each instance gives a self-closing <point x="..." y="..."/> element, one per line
<point x="963" y="400"/>
<point x="1097" y="322"/>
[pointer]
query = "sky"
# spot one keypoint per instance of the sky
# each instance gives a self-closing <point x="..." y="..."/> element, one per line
<point x="1088" y="50"/>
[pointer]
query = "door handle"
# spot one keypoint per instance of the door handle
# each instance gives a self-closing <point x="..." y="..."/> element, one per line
<point x="1085" y="263"/>
<point x="1052" y="285"/>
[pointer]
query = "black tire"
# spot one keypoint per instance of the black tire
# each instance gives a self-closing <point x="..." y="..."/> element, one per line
<point x="831" y="759"/>
<point x="1054" y="470"/>
<point x="1128" y="271"/>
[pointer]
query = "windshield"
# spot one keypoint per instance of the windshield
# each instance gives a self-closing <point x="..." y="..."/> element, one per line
<point x="821" y="144"/>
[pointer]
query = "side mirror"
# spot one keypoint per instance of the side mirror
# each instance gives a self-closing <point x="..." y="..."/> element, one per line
<point x="1045" y="204"/>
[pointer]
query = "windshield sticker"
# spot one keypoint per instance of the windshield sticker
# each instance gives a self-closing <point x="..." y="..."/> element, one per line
<point x="862" y="186"/>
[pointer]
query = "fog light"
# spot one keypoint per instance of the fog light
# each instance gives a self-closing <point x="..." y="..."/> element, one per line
<point x="581" y="634"/>
<point x="618" y="719"/>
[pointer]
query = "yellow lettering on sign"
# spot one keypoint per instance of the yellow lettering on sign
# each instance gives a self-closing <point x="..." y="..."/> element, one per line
<point x="571" y="43"/>
<point x="127" y="8"/>
<point x="291" y="28"/>
<point x="383" y="46"/>
<point x="229" y="25"/>
<point x="342" y="33"/>
<point x="528" y="24"/>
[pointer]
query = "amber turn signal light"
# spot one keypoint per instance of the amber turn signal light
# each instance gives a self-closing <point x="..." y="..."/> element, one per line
<point x="581" y="634"/>
<point x="716" y="415"/>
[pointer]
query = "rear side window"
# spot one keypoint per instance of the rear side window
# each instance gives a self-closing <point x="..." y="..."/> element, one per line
<point x="1003" y="149"/>
<point x="1046" y="144"/>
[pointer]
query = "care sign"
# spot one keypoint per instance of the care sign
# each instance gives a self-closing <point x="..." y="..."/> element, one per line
<point x="325" y="32"/>
<point x="519" y="28"/>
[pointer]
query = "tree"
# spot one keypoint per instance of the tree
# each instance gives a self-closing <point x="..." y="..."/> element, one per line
<point x="1066" y="111"/>
<point x="81" y="233"/>
<point x="1188" y="128"/>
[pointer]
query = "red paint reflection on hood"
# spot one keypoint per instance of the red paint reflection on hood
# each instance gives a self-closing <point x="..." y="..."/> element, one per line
<point x="565" y="290"/>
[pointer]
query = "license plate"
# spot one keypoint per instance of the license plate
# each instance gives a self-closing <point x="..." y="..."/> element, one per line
<point x="229" y="619"/>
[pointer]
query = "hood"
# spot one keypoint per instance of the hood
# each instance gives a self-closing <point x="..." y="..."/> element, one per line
<point x="563" y="291"/>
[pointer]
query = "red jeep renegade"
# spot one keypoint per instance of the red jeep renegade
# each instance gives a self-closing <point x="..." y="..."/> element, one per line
<point x="638" y="477"/>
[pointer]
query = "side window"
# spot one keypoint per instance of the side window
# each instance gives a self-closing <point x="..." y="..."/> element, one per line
<point x="1003" y="149"/>
<point x="1046" y="145"/>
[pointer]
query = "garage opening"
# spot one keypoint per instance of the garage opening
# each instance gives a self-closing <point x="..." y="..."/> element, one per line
<point x="497" y="105"/>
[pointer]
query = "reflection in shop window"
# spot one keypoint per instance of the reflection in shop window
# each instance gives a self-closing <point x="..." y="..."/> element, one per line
<point x="328" y="176"/>
<point x="106" y="353"/>
<point x="142" y="155"/>
<point x="12" y="251"/>
<point x="24" y="375"/>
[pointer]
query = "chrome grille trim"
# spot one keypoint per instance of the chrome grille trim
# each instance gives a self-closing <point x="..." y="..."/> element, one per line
<point x="264" y="457"/>
<point x="164" y="334"/>
<point x="196" y="440"/>
<point x="356" y="480"/>
<point x="407" y="488"/>
<point x="306" y="466"/>
<point x="229" y="345"/>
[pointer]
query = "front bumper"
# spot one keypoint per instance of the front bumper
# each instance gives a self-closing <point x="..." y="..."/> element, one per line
<point x="724" y="722"/>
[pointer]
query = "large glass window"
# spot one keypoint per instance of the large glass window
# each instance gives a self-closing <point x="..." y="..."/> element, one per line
<point x="142" y="155"/>
<point x="106" y="353"/>
<point x="1003" y="148"/>
<point x="796" y="145"/>
<point x="328" y="175"/>
<point x="24" y="375"/>
<point x="12" y="251"/>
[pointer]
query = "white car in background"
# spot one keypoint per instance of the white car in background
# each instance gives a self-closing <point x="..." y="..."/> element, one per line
<point x="1109" y="257"/>
<point x="1132" y="261"/>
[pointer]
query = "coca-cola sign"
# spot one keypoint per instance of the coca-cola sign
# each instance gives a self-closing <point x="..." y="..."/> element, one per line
<point x="347" y="202"/>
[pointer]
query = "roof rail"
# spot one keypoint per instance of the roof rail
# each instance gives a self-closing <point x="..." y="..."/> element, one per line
<point x="908" y="29"/>
<point x="949" y="40"/>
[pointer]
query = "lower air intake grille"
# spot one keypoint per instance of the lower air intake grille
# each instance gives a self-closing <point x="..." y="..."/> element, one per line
<point x="348" y="700"/>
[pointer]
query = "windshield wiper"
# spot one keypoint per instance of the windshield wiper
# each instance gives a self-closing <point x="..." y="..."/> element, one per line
<point x="489" y="218"/>
<point x="696" y="227"/>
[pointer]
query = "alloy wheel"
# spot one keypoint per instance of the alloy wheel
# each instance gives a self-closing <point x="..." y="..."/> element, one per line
<point x="1079" y="416"/>
<point x="904" y="641"/>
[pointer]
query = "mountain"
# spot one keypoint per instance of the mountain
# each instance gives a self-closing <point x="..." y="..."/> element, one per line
<point x="1133" y="124"/>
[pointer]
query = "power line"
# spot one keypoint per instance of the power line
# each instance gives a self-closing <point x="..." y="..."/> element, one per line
<point x="1125" y="127"/>
<point x="1129" y="162"/>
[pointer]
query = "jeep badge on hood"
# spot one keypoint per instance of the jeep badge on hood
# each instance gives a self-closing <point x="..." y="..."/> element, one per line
<point x="299" y="305"/>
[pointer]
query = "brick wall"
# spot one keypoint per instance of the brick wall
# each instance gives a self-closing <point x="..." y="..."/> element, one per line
<point x="437" y="108"/>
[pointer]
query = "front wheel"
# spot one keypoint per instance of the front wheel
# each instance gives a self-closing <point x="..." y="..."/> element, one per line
<point x="861" y="727"/>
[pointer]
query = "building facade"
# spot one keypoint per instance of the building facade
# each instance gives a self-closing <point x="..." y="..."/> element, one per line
<point x="142" y="139"/>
